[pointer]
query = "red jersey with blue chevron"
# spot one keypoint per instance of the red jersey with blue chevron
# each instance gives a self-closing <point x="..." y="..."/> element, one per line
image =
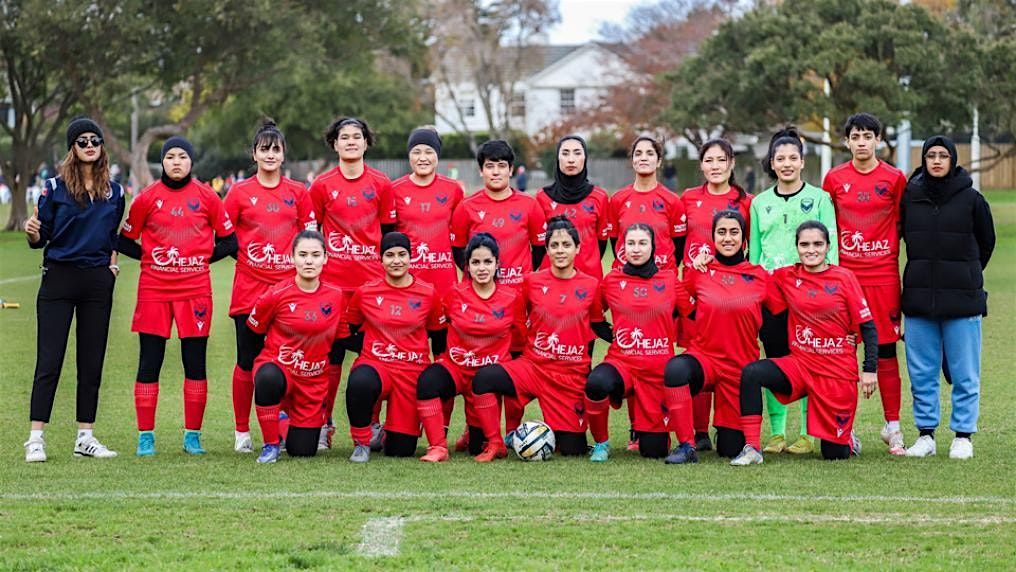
<point x="825" y="307"/>
<point x="591" y="218"/>
<point x="560" y="313"/>
<point x="700" y="206"/>
<point x="351" y="212"/>
<point x="480" y="331"/>
<point x="516" y="223"/>
<point x="661" y="209"/>
<point x="643" y="312"/>
<point x="177" y="228"/>
<point x="300" y="326"/>
<point x="395" y="320"/>
<point x="424" y="214"/>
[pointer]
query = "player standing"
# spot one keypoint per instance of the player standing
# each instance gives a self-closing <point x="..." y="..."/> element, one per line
<point x="397" y="315"/>
<point x="775" y="216"/>
<point x="564" y="309"/>
<point x="701" y="204"/>
<point x="866" y="193"/>
<point x="268" y="210"/>
<point x="183" y="227"/>
<point x="826" y="312"/>
<point x="483" y="319"/>
<point x="643" y="301"/>
<point x="300" y="318"/>
<point x="571" y="194"/>
<point x="354" y="205"/>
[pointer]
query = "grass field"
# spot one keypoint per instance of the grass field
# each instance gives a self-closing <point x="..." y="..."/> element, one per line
<point x="221" y="511"/>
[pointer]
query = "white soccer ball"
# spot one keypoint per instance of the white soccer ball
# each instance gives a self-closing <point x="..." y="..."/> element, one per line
<point x="534" y="441"/>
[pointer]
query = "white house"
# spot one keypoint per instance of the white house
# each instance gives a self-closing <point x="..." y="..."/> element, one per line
<point x="553" y="82"/>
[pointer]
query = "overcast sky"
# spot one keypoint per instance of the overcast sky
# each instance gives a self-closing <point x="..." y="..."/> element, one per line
<point x="581" y="19"/>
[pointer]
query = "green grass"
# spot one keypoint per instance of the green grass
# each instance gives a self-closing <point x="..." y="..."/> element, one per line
<point x="223" y="512"/>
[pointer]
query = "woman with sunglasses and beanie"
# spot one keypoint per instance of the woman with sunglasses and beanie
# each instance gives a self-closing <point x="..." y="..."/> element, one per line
<point x="183" y="227"/>
<point x="76" y="224"/>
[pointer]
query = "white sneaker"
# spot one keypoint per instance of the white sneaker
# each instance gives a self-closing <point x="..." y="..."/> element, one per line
<point x="35" y="451"/>
<point x="91" y="447"/>
<point x="325" y="437"/>
<point x="242" y="442"/>
<point x="748" y="456"/>
<point x="895" y="442"/>
<point x="923" y="447"/>
<point x="961" y="448"/>
<point x="855" y="444"/>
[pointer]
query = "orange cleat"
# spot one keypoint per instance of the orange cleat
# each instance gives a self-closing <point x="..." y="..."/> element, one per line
<point x="435" y="454"/>
<point x="493" y="450"/>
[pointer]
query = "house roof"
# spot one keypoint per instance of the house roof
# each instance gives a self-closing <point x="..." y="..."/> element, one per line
<point x="535" y="58"/>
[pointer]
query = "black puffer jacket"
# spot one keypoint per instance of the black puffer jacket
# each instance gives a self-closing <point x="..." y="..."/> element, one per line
<point x="950" y="236"/>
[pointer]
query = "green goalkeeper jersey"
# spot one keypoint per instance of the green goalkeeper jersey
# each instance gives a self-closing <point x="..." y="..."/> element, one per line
<point x="774" y="219"/>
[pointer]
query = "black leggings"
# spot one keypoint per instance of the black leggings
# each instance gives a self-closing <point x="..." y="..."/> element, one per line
<point x="773" y="334"/>
<point x="684" y="370"/>
<point x="603" y="382"/>
<point x="764" y="373"/>
<point x="269" y="389"/>
<point x="494" y="379"/>
<point x="363" y="389"/>
<point x="248" y="343"/>
<point x="436" y="383"/>
<point x="153" y="352"/>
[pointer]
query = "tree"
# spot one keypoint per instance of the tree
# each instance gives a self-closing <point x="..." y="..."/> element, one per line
<point x="768" y="67"/>
<point x="485" y="43"/>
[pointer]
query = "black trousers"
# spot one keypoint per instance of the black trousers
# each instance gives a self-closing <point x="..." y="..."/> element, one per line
<point x="67" y="291"/>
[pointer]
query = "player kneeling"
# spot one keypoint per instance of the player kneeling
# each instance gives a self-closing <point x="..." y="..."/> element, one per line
<point x="300" y="318"/>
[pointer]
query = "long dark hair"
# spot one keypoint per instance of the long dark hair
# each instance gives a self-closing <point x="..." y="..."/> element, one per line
<point x="484" y="240"/>
<point x="728" y="150"/>
<point x="332" y="133"/>
<point x="72" y="172"/>
<point x="789" y="135"/>
<point x="309" y="235"/>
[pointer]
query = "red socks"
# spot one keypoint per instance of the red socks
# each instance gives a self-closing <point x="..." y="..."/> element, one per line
<point x="889" y="387"/>
<point x="513" y="412"/>
<point x="432" y="416"/>
<point x="195" y="395"/>
<point x="489" y="412"/>
<point x="702" y="406"/>
<point x="752" y="427"/>
<point x="243" y="397"/>
<point x="679" y="413"/>
<point x="360" y="435"/>
<point x="146" y="397"/>
<point x="596" y="417"/>
<point x="447" y="407"/>
<point x="334" y="373"/>
<point x="268" y="419"/>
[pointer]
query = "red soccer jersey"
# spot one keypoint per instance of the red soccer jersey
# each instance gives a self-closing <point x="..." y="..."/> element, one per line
<point x="728" y="310"/>
<point x="867" y="215"/>
<point x="825" y="307"/>
<point x="659" y="208"/>
<point x="395" y="320"/>
<point x="300" y="326"/>
<point x="560" y="313"/>
<point x="266" y="220"/>
<point x="701" y="206"/>
<point x="516" y="223"/>
<point x="643" y="310"/>
<point x="351" y="212"/>
<point x="424" y="214"/>
<point x="480" y="332"/>
<point x="177" y="229"/>
<point x="591" y="218"/>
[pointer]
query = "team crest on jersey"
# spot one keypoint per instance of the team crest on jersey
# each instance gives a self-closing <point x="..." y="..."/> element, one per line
<point x="588" y="207"/>
<point x="481" y="214"/>
<point x="254" y="201"/>
<point x="441" y="199"/>
<point x="193" y="205"/>
<point x="658" y="205"/>
<point x="200" y="311"/>
<point x="369" y="193"/>
<point x="497" y="313"/>
<point x="769" y="209"/>
<point x="415" y="304"/>
<point x="515" y="216"/>
<point x="830" y="288"/>
<point x="659" y="286"/>
<point x="379" y="300"/>
<point x="290" y="201"/>
<point x="623" y="284"/>
<point x="881" y="190"/>
<point x="807" y="205"/>
<point x="292" y="306"/>
<point x="326" y="309"/>
<point x="581" y="293"/>
<point x="748" y="278"/>
<point x="841" y="423"/>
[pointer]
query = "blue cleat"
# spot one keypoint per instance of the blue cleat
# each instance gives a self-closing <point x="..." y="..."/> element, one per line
<point x="146" y="443"/>
<point x="509" y="438"/>
<point x="600" y="452"/>
<point x="192" y="443"/>
<point x="269" y="454"/>
<point x="683" y="453"/>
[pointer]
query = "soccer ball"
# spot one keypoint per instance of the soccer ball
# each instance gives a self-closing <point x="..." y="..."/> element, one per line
<point x="534" y="441"/>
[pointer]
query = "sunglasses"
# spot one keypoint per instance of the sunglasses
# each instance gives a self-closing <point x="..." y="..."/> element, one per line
<point x="84" y="143"/>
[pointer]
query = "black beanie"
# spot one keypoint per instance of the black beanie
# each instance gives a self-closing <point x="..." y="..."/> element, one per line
<point x="393" y="239"/>
<point x="81" y="125"/>
<point x="177" y="142"/>
<point x="425" y="137"/>
<point x="941" y="141"/>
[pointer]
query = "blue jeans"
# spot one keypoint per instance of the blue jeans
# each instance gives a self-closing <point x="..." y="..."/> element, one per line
<point x="959" y="340"/>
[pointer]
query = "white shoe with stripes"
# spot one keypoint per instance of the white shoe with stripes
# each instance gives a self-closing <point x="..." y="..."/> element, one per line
<point x="91" y="447"/>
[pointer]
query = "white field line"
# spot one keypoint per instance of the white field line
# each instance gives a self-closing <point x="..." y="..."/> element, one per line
<point x="516" y="495"/>
<point x="381" y="537"/>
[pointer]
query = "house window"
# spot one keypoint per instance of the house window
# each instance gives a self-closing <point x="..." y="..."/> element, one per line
<point x="468" y="107"/>
<point x="567" y="101"/>
<point x="518" y="106"/>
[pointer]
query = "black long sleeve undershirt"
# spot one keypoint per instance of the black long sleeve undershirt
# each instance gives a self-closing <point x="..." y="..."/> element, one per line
<point x="603" y="330"/>
<point x="869" y="335"/>
<point x="438" y="341"/>
<point x="539" y="252"/>
<point x="224" y="247"/>
<point x="459" y="256"/>
<point x="127" y="247"/>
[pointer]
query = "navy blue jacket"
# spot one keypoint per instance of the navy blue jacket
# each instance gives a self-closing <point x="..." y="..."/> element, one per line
<point x="81" y="234"/>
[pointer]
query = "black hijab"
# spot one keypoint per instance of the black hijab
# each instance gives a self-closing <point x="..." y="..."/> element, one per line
<point x="936" y="186"/>
<point x="648" y="269"/>
<point x="569" y="189"/>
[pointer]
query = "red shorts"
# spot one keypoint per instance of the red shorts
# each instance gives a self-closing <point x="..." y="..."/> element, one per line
<point x="644" y="389"/>
<point x="246" y="291"/>
<point x="304" y="397"/>
<point x="724" y="379"/>
<point x="193" y="318"/>
<point x="463" y="379"/>
<point x="832" y="403"/>
<point x="398" y="387"/>
<point x="884" y="302"/>
<point x="561" y="395"/>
